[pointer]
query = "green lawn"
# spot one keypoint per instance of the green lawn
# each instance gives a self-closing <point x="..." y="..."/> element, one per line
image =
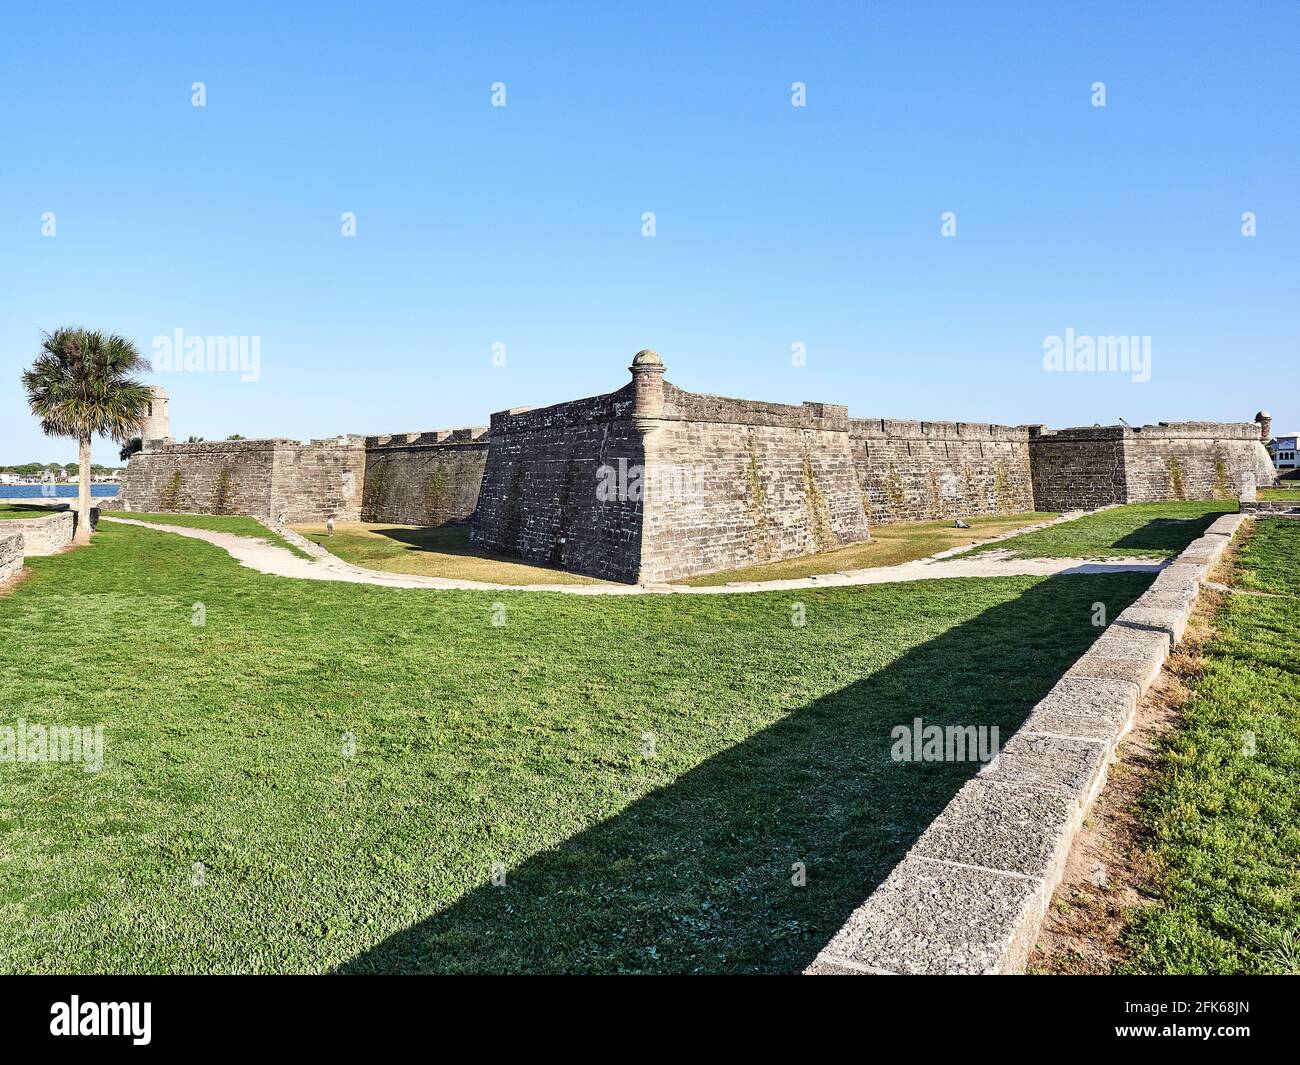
<point x="1285" y="495"/>
<point x="1138" y="530"/>
<point x="520" y="743"/>
<point x="431" y="551"/>
<point x="237" y="524"/>
<point x="889" y="545"/>
<point x="23" y="510"/>
<point x="1225" y="813"/>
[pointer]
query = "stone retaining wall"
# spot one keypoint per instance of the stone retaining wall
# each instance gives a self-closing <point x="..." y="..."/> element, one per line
<point x="971" y="893"/>
<point x="11" y="554"/>
<point x="46" y="534"/>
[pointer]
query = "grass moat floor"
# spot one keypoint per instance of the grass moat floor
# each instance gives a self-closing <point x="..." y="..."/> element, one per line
<point x="444" y="551"/>
<point x="324" y="776"/>
<point x="1138" y="530"/>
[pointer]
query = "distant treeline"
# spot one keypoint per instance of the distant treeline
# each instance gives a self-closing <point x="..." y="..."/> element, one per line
<point x="35" y="469"/>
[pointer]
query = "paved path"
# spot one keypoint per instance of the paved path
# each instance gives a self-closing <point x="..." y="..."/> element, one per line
<point x="266" y="557"/>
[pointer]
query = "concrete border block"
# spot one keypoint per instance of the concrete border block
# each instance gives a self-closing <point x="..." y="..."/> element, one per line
<point x="1124" y="653"/>
<point x="1086" y="709"/>
<point x="1004" y="827"/>
<point x="936" y="917"/>
<point x="1170" y="621"/>
<point x="1065" y="765"/>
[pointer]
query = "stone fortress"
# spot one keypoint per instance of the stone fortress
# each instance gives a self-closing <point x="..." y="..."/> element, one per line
<point x="651" y="483"/>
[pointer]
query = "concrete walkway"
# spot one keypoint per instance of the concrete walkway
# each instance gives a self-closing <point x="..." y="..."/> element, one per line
<point x="269" y="558"/>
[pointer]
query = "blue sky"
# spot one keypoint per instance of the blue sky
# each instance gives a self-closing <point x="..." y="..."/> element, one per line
<point x="775" y="225"/>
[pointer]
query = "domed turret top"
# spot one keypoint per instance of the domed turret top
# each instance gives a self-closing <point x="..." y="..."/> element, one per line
<point x="1262" y="415"/>
<point x="646" y="357"/>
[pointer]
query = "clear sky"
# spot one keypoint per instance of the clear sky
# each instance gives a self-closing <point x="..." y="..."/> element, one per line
<point x="775" y="225"/>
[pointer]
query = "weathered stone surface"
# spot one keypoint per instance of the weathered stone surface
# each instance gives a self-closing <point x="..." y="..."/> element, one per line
<point x="651" y="483"/>
<point x="1086" y="708"/>
<point x="1172" y="621"/>
<point x="264" y="478"/>
<point x="826" y="966"/>
<point x="1092" y="466"/>
<point x="999" y="826"/>
<point x="933" y="917"/>
<point x="922" y="471"/>
<point x="11" y="554"/>
<point x="1133" y="671"/>
<point x="46" y="534"/>
<point x="424" y="478"/>
<point x="1071" y="767"/>
<point x="1180" y="576"/>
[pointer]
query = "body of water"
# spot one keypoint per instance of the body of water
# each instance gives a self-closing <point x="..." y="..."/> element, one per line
<point x="53" y="491"/>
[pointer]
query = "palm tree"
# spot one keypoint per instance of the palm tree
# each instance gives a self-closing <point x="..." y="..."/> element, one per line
<point x="80" y="386"/>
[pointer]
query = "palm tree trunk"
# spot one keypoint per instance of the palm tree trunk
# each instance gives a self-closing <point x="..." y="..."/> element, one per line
<point x="82" y="535"/>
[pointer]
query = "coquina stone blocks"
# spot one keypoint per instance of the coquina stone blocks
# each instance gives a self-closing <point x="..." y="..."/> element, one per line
<point x="652" y="483"/>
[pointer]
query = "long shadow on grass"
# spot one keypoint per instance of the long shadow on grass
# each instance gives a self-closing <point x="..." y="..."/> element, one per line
<point x="697" y="877"/>
<point x="1167" y="536"/>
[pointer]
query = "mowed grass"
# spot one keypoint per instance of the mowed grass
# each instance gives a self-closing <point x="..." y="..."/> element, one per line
<point x="1138" y="530"/>
<point x="325" y="776"/>
<point x="1286" y="495"/>
<point x="1225" y="813"/>
<point x="235" y="524"/>
<point x="21" y="510"/>
<point x="444" y="551"/>
<point x="890" y="545"/>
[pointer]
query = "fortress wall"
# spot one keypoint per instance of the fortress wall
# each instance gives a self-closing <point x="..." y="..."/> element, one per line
<point x="925" y="471"/>
<point x="424" y="478"/>
<point x="218" y="477"/>
<point x="266" y="478"/>
<point x="539" y="500"/>
<point x="1077" y="469"/>
<point x="1090" y="467"/>
<point x="1191" y="460"/>
<point x="736" y="483"/>
<point x="319" y="480"/>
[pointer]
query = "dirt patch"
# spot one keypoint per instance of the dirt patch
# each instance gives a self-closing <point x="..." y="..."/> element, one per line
<point x="10" y="584"/>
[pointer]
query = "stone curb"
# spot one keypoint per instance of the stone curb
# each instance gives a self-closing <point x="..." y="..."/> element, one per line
<point x="970" y="895"/>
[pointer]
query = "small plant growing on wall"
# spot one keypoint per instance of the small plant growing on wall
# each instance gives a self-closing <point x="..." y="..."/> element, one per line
<point x="170" y="498"/>
<point x="1176" y="487"/>
<point x="817" y="523"/>
<point x="758" y="508"/>
<point x="1222" y="486"/>
<point x="221" y="492"/>
<point x="372" y="497"/>
<point x="894" y="490"/>
<point x="434" y="493"/>
<point x="1001" y="489"/>
<point x="514" y="509"/>
<point x="566" y="513"/>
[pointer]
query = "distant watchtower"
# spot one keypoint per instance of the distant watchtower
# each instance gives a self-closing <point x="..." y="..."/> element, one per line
<point x="157" y="423"/>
